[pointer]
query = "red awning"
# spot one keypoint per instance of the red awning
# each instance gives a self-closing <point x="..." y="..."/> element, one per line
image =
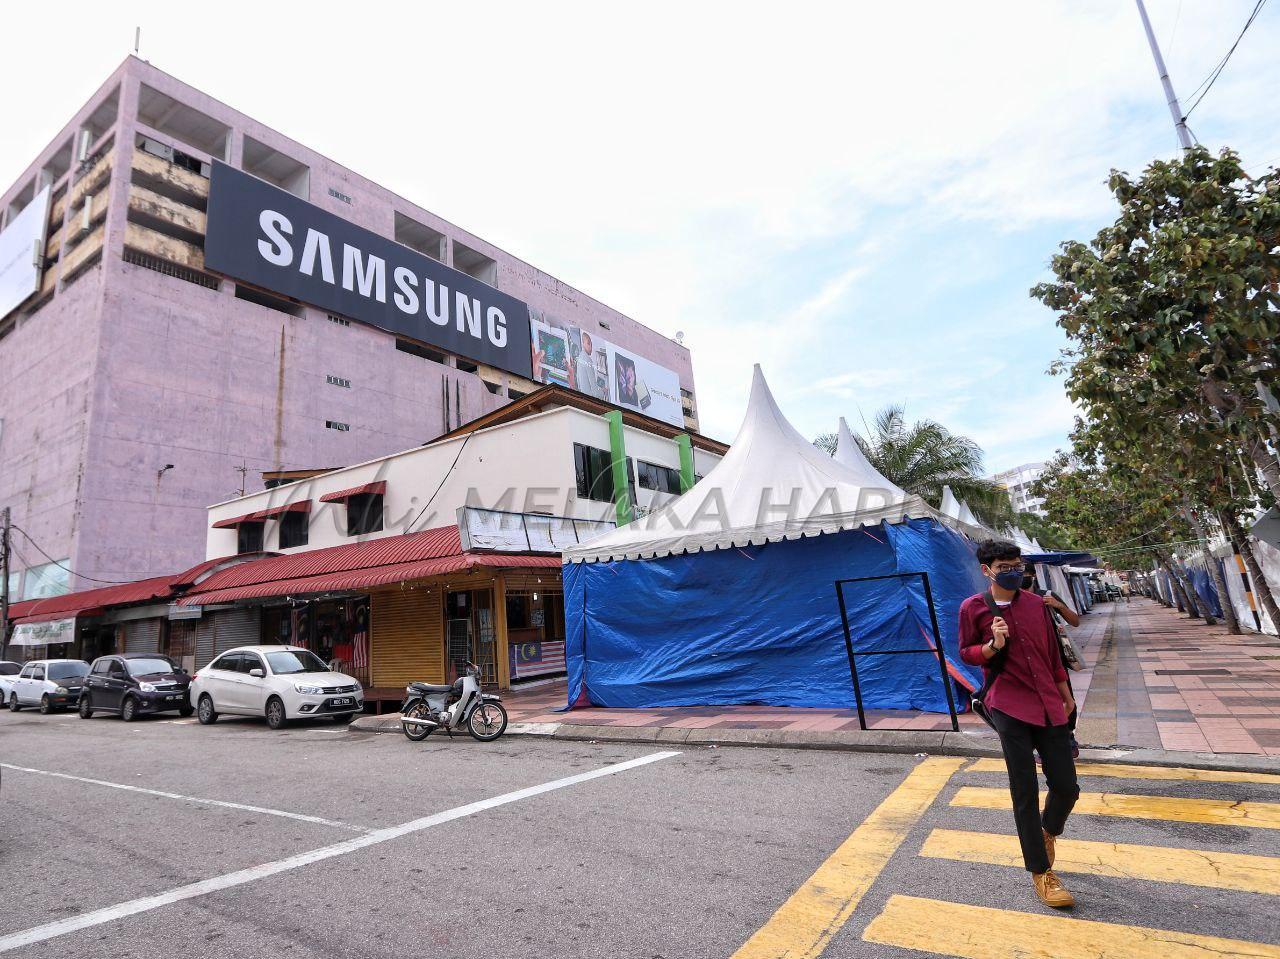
<point x="367" y="578"/>
<point x="302" y="506"/>
<point x="90" y="602"/>
<point x="377" y="487"/>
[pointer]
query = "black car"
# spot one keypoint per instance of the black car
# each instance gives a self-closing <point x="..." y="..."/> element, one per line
<point x="133" y="684"/>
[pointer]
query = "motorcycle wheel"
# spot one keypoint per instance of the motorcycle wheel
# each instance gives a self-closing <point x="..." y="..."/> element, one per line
<point x="417" y="734"/>
<point x="487" y="722"/>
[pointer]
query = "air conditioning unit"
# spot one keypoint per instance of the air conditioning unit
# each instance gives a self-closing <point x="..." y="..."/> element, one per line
<point x="86" y="215"/>
<point x="156" y="148"/>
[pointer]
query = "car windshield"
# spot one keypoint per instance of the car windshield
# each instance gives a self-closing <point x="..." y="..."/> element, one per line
<point x="10" y="669"/>
<point x="67" y="670"/>
<point x="145" y="667"/>
<point x="296" y="661"/>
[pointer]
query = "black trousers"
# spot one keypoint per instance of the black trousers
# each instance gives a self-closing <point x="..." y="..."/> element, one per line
<point x="1020" y="741"/>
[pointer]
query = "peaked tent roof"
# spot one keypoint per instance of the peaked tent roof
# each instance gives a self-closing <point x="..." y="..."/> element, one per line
<point x="950" y="505"/>
<point x="771" y="485"/>
<point x="849" y="454"/>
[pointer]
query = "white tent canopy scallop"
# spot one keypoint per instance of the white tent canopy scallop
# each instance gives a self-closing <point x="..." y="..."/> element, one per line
<point x="772" y="485"/>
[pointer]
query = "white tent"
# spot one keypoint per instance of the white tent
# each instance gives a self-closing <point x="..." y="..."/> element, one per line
<point x="772" y="485"/>
<point x="950" y="505"/>
<point x="849" y="453"/>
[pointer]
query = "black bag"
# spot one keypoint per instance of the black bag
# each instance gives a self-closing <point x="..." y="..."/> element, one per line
<point x="991" y="671"/>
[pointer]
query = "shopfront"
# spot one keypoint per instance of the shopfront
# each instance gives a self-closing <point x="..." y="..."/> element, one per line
<point x="535" y="626"/>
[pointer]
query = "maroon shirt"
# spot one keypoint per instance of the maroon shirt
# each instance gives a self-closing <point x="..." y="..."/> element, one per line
<point x="1025" y="688"/>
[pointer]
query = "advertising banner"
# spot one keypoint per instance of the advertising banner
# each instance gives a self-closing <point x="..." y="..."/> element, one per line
<point x="573" y="357"/>
<point x="25" y="234"/>
<point x="266" y="236"/>
<point x="44" y="634"/>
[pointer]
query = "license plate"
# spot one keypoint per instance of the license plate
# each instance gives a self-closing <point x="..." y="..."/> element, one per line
<point x="173" y="699"/>
<point x="344" y="701"/>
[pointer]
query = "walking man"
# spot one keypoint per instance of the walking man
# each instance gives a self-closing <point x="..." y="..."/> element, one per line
<point x="1008" y="632"/>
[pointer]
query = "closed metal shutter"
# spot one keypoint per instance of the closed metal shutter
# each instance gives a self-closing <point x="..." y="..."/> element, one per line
<point x="142" y="636"/>
<point x="236" y="627"/>
<point x="406" y="637"/>
<point x="203" y="642"/>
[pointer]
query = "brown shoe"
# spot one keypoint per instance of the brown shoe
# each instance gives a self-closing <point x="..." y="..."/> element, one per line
<point x="1050" y="845"/>
<point x="1051" y="890"/>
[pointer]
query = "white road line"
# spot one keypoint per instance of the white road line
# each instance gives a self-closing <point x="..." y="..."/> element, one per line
<point x="240" y="877"/>
<point x="196" y="799"/>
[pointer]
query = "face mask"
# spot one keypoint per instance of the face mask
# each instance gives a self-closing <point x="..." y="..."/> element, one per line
<point x="1010" y="579"/>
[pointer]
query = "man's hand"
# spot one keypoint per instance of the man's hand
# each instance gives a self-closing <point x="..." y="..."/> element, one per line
<point x="999" y="632"/>
<point x="1069" y="704"/>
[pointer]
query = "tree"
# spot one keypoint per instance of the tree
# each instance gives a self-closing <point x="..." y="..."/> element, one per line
<point x="925" y="456"/>
<point x="1175" y="308"/>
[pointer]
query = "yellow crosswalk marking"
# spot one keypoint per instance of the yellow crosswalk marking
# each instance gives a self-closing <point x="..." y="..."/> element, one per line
<point x="805" y="923"/>
<point x="1219" y="812"/>
<point x="979" y="932"/>
<point x="1121" y="771"/>
<point x="1192" y="867"/>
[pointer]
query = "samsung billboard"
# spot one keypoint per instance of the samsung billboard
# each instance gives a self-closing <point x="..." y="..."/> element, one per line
<point x="270" y="238"/>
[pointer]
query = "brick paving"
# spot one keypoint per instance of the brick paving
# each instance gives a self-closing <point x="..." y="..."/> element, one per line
<point x="1153" y="679"/>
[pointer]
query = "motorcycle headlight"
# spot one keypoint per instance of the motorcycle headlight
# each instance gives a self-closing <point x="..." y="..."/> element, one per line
<point x="306" y="690"/>
<point x="62" y="689"/>
<point x="147" y="687"/>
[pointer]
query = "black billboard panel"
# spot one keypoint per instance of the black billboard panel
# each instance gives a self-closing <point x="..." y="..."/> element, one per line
<point x="270" y="238"/>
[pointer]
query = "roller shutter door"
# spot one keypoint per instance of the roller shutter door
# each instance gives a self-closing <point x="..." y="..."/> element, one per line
<point x="406" y="637"/>
<point x="204" y="641"/>
<point x="235" y="627"/>
<point x="142" y="636"/>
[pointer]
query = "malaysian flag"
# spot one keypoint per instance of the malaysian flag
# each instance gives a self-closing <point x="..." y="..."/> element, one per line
<point x="360" y="635"/>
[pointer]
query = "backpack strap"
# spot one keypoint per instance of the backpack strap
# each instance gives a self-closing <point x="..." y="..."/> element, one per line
<point x="996" y="662"/>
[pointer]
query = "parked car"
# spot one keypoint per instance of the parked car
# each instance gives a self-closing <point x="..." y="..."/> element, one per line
<point x="134" y="684"/>
<point x="48" y="683"/>
<point x="8" y="673"/>
<point x="279" y="682"/>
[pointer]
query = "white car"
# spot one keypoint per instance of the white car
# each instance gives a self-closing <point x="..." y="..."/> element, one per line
<point x="279" y="682"/>
<point x="8" y="673"/>
<point x="51" y="684"/>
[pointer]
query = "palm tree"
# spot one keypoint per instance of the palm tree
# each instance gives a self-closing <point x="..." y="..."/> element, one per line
<point x="925" y="456"/>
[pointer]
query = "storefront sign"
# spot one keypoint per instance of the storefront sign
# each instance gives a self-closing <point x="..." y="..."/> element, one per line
<point x="266" y="236"/>
<point x="44" y="634"/>
<point x="20" y="242"/>
<point x="573" y="357"/>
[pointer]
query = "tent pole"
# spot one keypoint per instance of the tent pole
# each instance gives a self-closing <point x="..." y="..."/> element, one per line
<point x="942" y="659"/>
<point x="848" y="645"/>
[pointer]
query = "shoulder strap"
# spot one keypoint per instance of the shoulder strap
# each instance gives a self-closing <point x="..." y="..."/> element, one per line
<point x="995" y="663"/>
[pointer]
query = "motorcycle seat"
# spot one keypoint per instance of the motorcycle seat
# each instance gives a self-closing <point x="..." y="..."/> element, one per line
<point x="429" y="688"/>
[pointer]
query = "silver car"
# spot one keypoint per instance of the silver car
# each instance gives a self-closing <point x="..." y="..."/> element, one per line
<point x="51" y="684"/>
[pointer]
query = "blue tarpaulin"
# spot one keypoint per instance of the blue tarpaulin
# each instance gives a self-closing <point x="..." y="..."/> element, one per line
<point x="761" y="624"/>
<point x="1203" y="584"/>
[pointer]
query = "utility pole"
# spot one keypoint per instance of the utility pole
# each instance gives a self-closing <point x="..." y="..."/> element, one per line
<point x="4" y="582"/>
<point x="1179" y="121"/>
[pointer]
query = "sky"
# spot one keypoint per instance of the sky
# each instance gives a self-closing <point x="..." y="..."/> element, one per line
<point x="858" y="196"/>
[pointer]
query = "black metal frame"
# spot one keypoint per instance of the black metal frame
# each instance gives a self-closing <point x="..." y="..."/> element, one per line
<point x="937" y="644"/>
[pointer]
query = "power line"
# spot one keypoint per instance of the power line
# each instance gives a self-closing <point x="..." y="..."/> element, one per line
<point x="443" y="479"/>
<point x="92" y="579"/>
<point x="1207" y="83"/>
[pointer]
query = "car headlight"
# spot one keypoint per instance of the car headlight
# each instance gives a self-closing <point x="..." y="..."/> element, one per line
<point x="62" y="689"/>
<point x="308" y="690"/>
<point x="147" y="687"/>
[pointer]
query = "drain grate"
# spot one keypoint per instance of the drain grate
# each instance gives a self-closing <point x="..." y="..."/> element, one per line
<point x="1193" y="672"/>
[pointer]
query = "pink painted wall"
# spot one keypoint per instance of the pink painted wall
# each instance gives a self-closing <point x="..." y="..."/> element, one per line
<point x="128" y="370"/>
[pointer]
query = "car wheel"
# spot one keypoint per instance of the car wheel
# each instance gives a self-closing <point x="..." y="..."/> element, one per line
<point x="342" y="719"/>
<point x="185" y="711"/>
<point x="276" y="717"/>
<point x="86" y="707"/>
<point x="13" y="702"/>
<point x="205" y="711"/>
<point x="129" y="709"/>
<point x="46" y="707"/>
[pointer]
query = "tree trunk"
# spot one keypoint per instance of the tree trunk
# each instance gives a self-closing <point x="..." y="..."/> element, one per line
<point x="1215" y="571"/>
<point x="1261" y="588"/>
<point x="1190" y="600"/>
<point x="1228" y="404"/>
<point x="1267" y="466"/>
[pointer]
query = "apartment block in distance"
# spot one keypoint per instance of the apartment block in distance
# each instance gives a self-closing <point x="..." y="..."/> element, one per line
<point x="189" y="299"/>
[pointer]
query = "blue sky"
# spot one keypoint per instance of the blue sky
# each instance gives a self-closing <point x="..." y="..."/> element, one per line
<point x="856" y="195"/>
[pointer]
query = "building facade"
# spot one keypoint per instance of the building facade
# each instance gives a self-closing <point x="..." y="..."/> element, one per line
<point x="1018" y="482"/>
<point x="142" y="377"/>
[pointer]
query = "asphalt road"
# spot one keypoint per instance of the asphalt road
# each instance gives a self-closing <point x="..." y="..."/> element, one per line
<point x="665" y="857"/>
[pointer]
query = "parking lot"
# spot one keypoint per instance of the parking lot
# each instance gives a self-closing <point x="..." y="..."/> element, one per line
<point x="163" y="837"/>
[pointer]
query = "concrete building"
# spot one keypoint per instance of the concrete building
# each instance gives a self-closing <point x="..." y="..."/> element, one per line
<point x="140" y="383"/>
<point x="1018" y="482"/>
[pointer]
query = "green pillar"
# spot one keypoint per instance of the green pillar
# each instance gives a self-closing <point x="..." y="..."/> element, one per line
<point x="686" y="462"/>
<point x="618" y="460"/>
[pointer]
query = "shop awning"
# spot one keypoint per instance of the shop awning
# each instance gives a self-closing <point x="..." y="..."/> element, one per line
<point x="380" y="486"/>
<point x="89" y="602"/>
<point x="302" y="506"/>
<point x="370" y="577"/>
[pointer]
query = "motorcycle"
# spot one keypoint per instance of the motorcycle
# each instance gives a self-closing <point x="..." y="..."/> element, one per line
<point x="463" y="704"/>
